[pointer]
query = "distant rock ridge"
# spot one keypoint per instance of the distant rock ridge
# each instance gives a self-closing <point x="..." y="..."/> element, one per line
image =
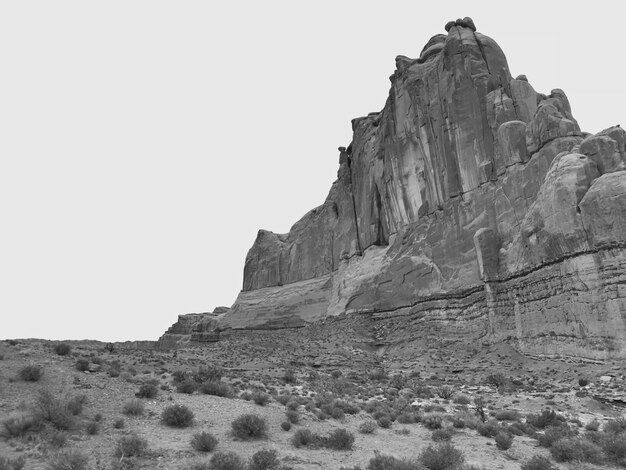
<point x="470" y="204"/>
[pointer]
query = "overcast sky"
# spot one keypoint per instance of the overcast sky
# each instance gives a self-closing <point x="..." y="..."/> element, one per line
<point x="144" y="143"/>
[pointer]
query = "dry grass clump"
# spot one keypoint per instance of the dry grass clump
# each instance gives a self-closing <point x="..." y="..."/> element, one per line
<point x="538" y="462"/>
<point x="441" y="457"/>
<point x="68" y="459"/>
<point x="134" y="407"/>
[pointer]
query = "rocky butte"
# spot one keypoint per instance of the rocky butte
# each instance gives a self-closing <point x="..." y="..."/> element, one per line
<point x="471" y="207"/>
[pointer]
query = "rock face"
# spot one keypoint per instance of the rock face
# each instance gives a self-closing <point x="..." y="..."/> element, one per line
<point x="470" y="205"/>
<point x="196" y="327"/>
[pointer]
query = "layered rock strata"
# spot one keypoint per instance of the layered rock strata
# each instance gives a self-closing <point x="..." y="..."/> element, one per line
<point x="471" y="205"/>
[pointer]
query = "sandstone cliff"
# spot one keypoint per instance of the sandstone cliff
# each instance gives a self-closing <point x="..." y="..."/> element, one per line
<point x="471" y="205"/>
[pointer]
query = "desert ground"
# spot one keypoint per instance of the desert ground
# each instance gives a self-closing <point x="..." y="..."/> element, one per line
<point x="294" y="401"/>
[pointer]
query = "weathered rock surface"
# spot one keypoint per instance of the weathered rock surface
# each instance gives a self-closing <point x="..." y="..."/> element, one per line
<point x="470" y="206"/>
<point x="198" y="327"/>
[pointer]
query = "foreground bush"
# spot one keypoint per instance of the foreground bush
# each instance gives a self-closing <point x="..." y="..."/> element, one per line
<point x="265" y="459"/>
<point x="178" y="416"/>
<point x="504" y="440"/>
<point x="62" y="349"/>
<point x="576" y="449"/>
<point x="226" y="461"/>
<point x="260" y="398"/>
<point x="204" y="442"/>
<point x="131" y="446"/>
<point x="249" y="426"/>
<point x="69" y="459"/>
<point x="57" y="412"/>
<point x="31" y="373"/>
<point x="208" y="373"/>
<point x="441" y="457"/>
<point x="538" y="462"/>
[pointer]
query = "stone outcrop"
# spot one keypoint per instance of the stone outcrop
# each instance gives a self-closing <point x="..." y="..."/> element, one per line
<point x="195" y="327"/>
<point x="470" y="205"/>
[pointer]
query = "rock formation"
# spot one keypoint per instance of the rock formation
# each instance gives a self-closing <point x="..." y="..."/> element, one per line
<point x="471" y="205"/>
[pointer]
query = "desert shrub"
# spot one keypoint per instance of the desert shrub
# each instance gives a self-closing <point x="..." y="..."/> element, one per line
<point x="12" y="464"/>
<point x="293" y="416"/>
<point x="368" y="427"/>
<point x="398" y="381"/>
<point x="69" y="459"/>
<point x="504" y="440"/>
<point x="209" y="373"/>
<point x="249" y="426"/>
<point x="130" y="446"/>
<point x="614" y="445"/>
<point x="497" y="380"/>
<point x="377" y="374"/>
<point x="76" y="403"/>
<point x="387" y="462"/>
<point x="204" y="442"/>
<point x="18" y="426"/>
<point x="303" y="437"/>
<point x="432" y="422"/>
<point x="82" y="365"/>
<point x="442" y="456"/>
<point x="177" y="415"/>
<point x="462" y="400"/>
<point x="553" y="434"/>
<point x="615" y="426"/>
<point x="31" y="373"/>
<point x="339" y="439"/>
<point x="134" y="407"/>
<point x="289" y="376"/>
<point x="186" y="386"/>
<point x="260" y="398"/>
<point x="264" y="459"/>
<point x="446" y="392"/>
<point x="384" y="422"/>
<point x="508" y="415"/>
<point x="217" y="388"/>
<point x="441" y="435"/>
<point x="593" y="425"/>
<point x="55" y="438"/>
<point x="119" y="423"/>
<point x="544" y="419"/>
<point x="285" y="425"/>
<point x="538" y="462"/>
<point x="583" y="382"/>
<point x="576" y="449"/>
<point x="62" y="349"/>
<point x="489" y="429"/>
<point x="226" y="461"/>
<point x="92" y="428"/>
<point x="53" y="410"/>
<point x="180" y="376"/>
<point x="406" y="418"/>
<point x="147" y="391"/>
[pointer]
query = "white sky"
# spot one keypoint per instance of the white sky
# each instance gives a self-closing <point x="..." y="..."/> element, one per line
<point x="144" y="143"/>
